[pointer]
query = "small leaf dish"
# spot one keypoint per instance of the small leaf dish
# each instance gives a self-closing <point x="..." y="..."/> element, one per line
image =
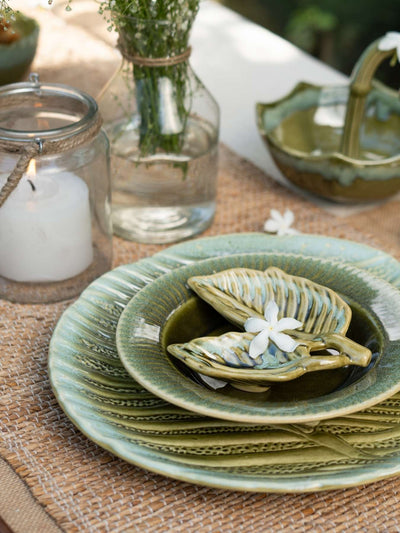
<point x="168" y="312"/>
<point x="241" y="294"/>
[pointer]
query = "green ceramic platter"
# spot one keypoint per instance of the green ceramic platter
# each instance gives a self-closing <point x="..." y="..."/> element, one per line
<point x="167" y="312"/>
<point x="113" y="410"/>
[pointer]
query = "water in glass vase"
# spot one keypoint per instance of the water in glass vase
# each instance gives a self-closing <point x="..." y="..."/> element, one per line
<point x="163" y="197"/>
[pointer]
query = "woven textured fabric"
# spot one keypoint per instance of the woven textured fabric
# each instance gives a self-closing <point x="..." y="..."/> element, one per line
<point x="82" y="487"/>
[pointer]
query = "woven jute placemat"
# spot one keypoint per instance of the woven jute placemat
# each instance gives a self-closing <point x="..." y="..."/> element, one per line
<point x="52" y="478"/>
<point x="70" y="482"/>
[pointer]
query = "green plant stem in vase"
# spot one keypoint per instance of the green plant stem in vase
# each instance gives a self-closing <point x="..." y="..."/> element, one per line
<point x="149" y="31"/>
<point x="162" y="124"/>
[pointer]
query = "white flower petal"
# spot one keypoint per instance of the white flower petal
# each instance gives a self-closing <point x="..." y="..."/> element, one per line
<point x="254" y="325"/>
<point x="280" y="224"/>
<point x="390" y="41"/>
<point x="288" y="217"/>
<point x="271" y="226"/>
<point x="276" y="215"/>
<point x="271" y="313"/>
<point x="259" y="344"/>
<point x="212" y="382"/>
<point x="284" y="342"/>
<point x="288" y="323"/>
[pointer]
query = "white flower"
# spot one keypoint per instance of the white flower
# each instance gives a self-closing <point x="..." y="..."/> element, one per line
<point x="271" y="329"/>
<point x="280" y="224"/>
<point x="391" y="41"/>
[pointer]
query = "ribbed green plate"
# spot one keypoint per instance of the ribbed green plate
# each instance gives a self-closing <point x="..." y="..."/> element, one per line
<point x="101" y="399"/>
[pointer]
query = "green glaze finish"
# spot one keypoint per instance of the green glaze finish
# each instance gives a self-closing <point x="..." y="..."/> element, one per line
<point x="16" y="57"/>
<point x="209" y="355"/>
<point x="145" y="329"/>
<point x="304" y="133"/>
<point x="238" y="294"/>
<point x="114" y="411"/>
<point x="360" y="86"/>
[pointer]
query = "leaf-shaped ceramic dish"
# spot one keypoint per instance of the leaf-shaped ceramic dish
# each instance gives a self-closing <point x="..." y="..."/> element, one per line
<point x="227" y="358"/>
<point x="239" y="294"/>
<point x="168" y="312"/>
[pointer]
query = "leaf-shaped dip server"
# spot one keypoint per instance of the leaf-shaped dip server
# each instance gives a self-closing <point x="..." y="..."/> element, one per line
<point x="240" y="294"/>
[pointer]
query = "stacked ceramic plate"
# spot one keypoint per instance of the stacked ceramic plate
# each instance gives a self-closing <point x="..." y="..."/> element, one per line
<point x="113" y="375"/>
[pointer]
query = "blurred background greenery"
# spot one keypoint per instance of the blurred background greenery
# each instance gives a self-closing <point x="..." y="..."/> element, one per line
<point x="334" y="31"/>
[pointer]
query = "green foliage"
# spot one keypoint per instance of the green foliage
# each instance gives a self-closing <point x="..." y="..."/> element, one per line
<point x="305" y="25"/>
<point x="156" y="30"/>
<point x="5" y="9"/>
<point x="335" y="31"/>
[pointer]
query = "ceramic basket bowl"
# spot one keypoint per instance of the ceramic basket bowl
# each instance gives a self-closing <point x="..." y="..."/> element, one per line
<point x="303" y="132"/>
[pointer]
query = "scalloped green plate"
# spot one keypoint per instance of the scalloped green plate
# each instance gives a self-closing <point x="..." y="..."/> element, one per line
<point x="111" y="409"/>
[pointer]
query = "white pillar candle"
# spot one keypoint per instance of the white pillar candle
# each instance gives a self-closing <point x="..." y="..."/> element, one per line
<point x="45" y="231"/>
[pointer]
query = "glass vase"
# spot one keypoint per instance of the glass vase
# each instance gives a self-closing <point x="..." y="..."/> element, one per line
<point x="163" y="127"/>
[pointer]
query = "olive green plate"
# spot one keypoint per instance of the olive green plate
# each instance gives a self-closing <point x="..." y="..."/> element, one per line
<point x="167" y="312"/>
<point x="101" y="399"/>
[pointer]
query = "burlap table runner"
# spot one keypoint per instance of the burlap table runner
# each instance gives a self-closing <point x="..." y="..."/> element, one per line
<point x="53" y="478"/>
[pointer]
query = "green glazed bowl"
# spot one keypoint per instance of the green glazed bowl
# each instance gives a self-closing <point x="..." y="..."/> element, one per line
<point x="16" y="57"/>
<point x="303" y="132"/>
<point x="168" y="312"/>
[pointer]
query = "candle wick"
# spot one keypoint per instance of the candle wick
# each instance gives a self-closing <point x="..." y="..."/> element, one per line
<point x="32" y="185"/>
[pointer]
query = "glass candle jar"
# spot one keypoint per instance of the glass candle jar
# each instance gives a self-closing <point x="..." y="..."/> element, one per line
<point x="55" y="218"/>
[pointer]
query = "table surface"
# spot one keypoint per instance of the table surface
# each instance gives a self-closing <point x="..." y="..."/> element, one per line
<point x="241" y="64"/>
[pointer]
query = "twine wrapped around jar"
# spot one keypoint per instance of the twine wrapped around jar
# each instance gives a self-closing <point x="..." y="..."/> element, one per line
<point x="154" y="61"/>
<point x="38" y="147"/>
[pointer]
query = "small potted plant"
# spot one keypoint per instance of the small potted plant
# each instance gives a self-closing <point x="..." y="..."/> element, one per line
<point x="18" y="43"/>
